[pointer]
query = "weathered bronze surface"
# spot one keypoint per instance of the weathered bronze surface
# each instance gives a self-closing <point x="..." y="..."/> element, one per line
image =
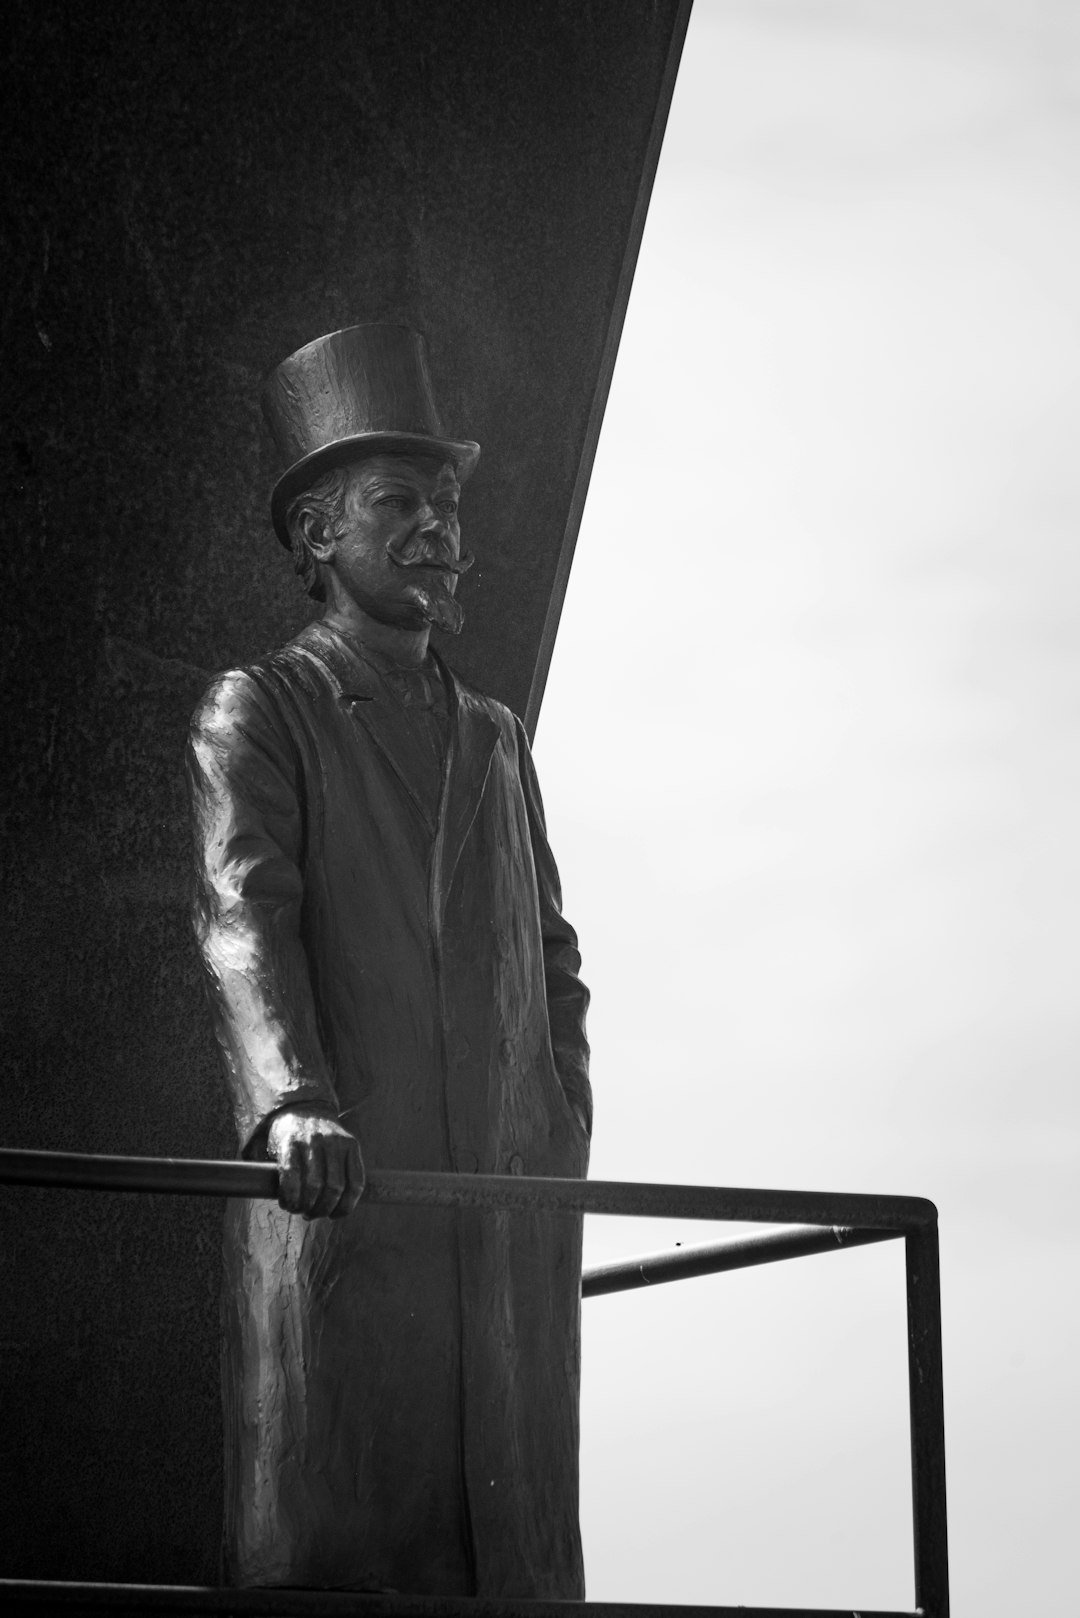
<point x="378" y="913"/>
<point x="194" y="191"/>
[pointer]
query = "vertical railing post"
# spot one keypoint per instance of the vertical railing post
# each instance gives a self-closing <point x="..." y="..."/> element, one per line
<point x="927" y="1423"/>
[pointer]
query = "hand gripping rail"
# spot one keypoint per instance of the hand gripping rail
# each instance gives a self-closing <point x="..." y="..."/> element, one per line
<point x="823" y="1222"/>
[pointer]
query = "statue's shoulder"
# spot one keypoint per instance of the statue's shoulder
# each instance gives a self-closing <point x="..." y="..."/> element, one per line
<point x="268" y="690"/>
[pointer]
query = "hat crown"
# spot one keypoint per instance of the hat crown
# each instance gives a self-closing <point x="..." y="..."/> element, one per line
<point x="364" y="380"/>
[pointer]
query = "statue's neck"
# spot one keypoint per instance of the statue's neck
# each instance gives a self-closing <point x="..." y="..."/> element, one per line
<point x="407" y="647"/>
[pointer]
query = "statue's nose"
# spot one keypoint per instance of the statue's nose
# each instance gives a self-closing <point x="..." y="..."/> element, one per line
<point x="434" y="526"/>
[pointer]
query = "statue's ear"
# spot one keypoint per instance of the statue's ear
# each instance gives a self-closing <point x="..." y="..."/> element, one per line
<point x="310" y="528"/>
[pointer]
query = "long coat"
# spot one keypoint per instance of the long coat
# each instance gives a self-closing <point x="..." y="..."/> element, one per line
<point x="401" y="1386"/>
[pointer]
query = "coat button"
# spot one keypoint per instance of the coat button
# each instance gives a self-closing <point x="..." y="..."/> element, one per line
<point x="459" y="1048"/>
<point x="517" y="1164"/>
<point x="508" y="1053"/>
<point x="466" y="1162"/>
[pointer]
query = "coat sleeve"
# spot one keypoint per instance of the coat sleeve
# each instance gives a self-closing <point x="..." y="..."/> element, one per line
<point x="243" y="773"/>
<point x="567" y="996"/>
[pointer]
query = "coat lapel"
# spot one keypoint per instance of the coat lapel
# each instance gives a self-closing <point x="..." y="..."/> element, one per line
<point x="472" y="742"/>
<point x="366" y="698"/>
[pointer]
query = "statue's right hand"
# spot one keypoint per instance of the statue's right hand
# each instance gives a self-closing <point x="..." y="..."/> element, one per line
<point x="322" y="1172"/>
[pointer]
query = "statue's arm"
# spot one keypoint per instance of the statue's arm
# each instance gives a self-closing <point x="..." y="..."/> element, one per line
<point x="567" y="996"/>
<point x="242" y="771"/>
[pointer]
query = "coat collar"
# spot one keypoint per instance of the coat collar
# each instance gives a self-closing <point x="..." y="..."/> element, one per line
<point x="473" y="735"/>
<point x="360" y="688"/>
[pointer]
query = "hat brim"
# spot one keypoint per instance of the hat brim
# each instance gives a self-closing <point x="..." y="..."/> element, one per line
<point x="462" y="453"/>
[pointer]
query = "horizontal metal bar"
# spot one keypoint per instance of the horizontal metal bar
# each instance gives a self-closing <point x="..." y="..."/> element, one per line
<point x="516" y="1194"/>
<point x="23" y="1596"/>
<point x="736" y="1253"/>
<point x="181" y="1176"/>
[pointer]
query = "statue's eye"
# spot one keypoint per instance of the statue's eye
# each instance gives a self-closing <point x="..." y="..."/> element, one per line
<point x="448" y="508"/>
<point x="397" y="502"/>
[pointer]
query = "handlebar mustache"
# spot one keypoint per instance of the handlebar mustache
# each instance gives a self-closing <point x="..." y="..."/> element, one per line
<point x="418" y="553"/>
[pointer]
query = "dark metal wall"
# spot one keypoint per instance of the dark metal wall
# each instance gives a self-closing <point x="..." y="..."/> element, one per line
<point x="195" y="189"/>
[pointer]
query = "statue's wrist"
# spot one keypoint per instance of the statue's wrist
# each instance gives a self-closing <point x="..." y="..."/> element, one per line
<point x="302" y="1109"/>
<point x="292" y="1112"/>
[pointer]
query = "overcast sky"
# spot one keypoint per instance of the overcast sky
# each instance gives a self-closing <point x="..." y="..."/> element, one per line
<point x="809" y="752"/>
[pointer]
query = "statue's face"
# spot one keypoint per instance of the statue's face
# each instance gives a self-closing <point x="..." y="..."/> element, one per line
<point x="399" y="553"/>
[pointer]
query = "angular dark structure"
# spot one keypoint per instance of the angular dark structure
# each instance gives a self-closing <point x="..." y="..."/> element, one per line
<point x="193" y="192"/>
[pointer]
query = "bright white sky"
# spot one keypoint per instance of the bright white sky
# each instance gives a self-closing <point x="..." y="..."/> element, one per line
<point x="810" y="758"/>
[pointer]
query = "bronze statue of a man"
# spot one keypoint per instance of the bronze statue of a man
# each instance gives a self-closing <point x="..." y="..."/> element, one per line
<point x="379" y="917"/>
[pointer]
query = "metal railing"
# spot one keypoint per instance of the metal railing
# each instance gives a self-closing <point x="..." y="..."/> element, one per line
<point x="822" y="1222"/>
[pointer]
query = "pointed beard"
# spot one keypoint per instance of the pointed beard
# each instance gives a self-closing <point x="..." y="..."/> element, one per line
<point x="434" y="601"/>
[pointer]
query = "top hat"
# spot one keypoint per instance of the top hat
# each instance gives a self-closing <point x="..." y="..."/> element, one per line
<point x="353" y="392"/>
